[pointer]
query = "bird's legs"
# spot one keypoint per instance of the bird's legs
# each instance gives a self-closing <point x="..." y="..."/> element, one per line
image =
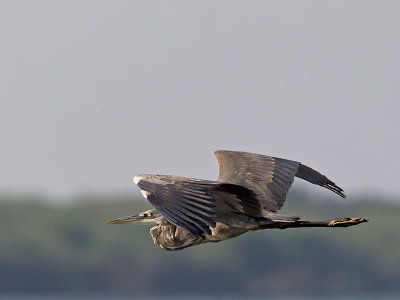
<point x="342" y="222"/>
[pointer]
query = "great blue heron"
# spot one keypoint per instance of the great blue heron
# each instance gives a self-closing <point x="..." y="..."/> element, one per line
<point x="249" y="191"/>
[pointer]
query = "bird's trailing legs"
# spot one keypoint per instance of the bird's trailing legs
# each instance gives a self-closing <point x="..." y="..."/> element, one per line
<point x="342" y="222"/>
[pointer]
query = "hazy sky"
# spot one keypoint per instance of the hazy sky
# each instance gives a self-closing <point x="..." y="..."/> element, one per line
<point x="95" y="92"/>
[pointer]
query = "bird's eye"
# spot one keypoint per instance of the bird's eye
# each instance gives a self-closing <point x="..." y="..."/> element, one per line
<point x="148" y="215"/>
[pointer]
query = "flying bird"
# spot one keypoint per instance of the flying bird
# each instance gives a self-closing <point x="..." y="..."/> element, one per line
<point x="247" y="195"/>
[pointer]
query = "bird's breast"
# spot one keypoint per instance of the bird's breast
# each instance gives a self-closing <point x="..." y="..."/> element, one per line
<point x="170" y="237"/>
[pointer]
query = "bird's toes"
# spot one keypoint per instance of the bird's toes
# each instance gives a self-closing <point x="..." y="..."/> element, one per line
<point x="344" y="222"/>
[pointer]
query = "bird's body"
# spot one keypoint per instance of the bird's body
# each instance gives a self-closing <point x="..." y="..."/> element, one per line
<point x="171" y="237"/>
<point x="250" y="189"/>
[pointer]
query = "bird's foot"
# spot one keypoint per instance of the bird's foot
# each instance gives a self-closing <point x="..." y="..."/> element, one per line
<point x="344" y="222"/>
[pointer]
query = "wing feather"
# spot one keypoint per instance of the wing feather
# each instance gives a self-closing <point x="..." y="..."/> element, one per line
<point x="195" y="209"/>
<point x="268" y="177"/>
<point x="185" y="202"/>
<point x="317" y="178"/>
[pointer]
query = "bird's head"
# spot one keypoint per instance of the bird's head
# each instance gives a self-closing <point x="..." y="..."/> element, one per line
<point x="147" y="217"/>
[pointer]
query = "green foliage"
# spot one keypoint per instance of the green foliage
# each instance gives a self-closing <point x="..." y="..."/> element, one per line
<point x="68" y="248"/>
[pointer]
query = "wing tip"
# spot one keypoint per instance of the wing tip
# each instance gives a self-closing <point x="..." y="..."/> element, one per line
<point x="336" y="189"/>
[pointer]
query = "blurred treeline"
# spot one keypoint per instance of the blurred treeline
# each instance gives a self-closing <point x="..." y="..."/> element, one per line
<point x="68" y="249"/>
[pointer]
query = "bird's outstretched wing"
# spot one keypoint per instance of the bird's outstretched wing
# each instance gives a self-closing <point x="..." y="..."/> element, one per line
<point x="184" y="202"/>
<point x="269" y="177"/>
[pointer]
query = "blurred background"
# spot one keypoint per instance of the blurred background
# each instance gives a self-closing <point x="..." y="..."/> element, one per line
<point x="95" y="92"/>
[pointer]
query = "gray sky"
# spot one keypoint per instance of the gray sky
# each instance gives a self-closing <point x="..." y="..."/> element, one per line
<point x="95" y="92"/>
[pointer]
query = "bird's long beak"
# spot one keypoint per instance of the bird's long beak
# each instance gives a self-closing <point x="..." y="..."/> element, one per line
<point x="128" y="219"/>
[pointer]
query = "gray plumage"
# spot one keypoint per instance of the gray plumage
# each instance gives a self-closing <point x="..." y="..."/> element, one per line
<point x="249" y="191"/>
